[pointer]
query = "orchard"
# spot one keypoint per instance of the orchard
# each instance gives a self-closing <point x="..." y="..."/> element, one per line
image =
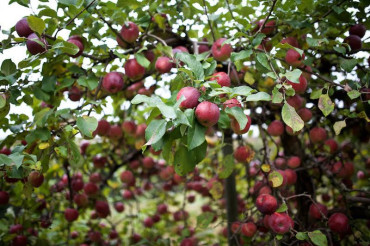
<point x="186" y="122"/>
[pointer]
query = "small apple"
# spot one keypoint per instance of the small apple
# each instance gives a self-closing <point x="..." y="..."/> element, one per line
<point x="81" y="200"/>
<point x="276" y="128"/>
<point x="102" y="208"/>
<point x="71" y="214"/>
<point x="129" y="127"/>
<point x="79" y="44"/>
<point x="295" y="101"/>
<point x="22" y="28"/>
<point x="317" y="134"/>
<point x="163" y="64"/>
<point x="358" y="30"/>
<point x="293" y="58"/>
<point x="74" y="94"/>
<point x="333" y="145"/>
<point x="280" y="223"/>
<point x="294" y="162"/>
<point x="134" y="70"/>
<point x="354" y="42"/>
<point x="222" y="79"/>
<point x="119" y="207"/>
<point x="35" y="179"/>
<point x="115" y="132"/>
<point x="236" y="127"/>
<point x="102" y="128"/>
<point x="207" y="113"/>
<point x="191" y="95"/>
<point x="113" y="82"/>
<point x="34" y="47"/>
<point x="316" y="210"/>
<point x="129" y="32"/>
<point x="266" y="204"/>
<point x="127" y="177"/>
<point x="162" y="208"/>
<point x="300" y="87"/>
<point x="221" y="52"/>
<point x="248" y="229"/>
<point x="339" y="223"/>
<point x="243" y="154"/>
<point x="232" y="103"/>
<point x="290" y="40"/>
<point x="4" y="198"/>
<point x="91" y="189"/>
<point x="305" y="114"/>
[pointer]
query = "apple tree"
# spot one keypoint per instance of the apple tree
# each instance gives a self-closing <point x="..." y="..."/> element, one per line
<point x="186" y="122"/>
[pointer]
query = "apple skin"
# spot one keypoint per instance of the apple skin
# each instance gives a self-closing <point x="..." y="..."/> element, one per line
<point x="222" y="79"/>
<point x="236" y="127"/>
<point x="354" y="42"/>
<point x="113" y="82"/>
<point x="290" y="40"/>
<point x="80" y="46"/>
<point x="77" y="185"/>
<point x="358" y="30"/>
<point x="300" y="87"/>
<point x="232" y="103"/>
<point x="293" y="58"/>
<point x="103" y="128"/>
<point x="35" y="179"/>
<point x="91" y="189"/>
<point x="99" y="161"/>
<point x="221" y="52"/>
<point x="148" y="222"/>
<point x="81" y="200"/>
<point x="74" y="94"/>
<point x="314" y="210"/>
<point x="280" y="223"/>
<point x="119" y="206"/>
<point x="248" y="229"/>
<point x="71" y="214"/>
<point x="16" y="229"/>
<point x="269" y="27"/>
<point x="129" y="32"/>
<point x="33" y="47"/>
<point x="127" y="177"/>
<point x="4" y="197"/>
<point x="317" y="135"/>
<point x="19" y="240"/>
<point x="102" y="208"/>
<point x="207" y="113"/>
<point x="294" y="162"/>
<point x="305" y="114"/>
<point x="295" y="101"/>
<point x="191" y="95"/>
<point x="115" y="132"/>
<point x="148" y="162"/>
<point x="276" y="128"/>
<point x="162" y="209"/>
<point x="163" y="64"/>
<point x="333" y="145"/>
<point x="338" y="223"/>
<point x="22" y="28"/>
<point x="343" y="170"/>
<point x="242" y="154"/>
<point x="134" y="70"/>
<point x="291" y="176"/>
<point x="266" y="204"/>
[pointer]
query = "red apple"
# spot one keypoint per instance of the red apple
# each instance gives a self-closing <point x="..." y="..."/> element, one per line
<point x="162" y="208"/>
<point x="102" y="208"/>
<point x="249" y="229"/>
<point x="293" y="58"/>
<point x="294" y="162"/>
<point x="221" y="52"/>
<point x="102" y="128"/>
<point x="236" y="127"/>
<point x="317" y="134"/>
<point x="243" y="154"/>
<point x="4" y="198"/>
<point x="295" y="101"/>
<point x="148" y="222"/>
<point x="115" y="132"/>
<point x="305" y="114"/>
<point x="22" y="28"/>
<point x="148" y="162"/>
<point x="129" y="32"/>
<point x="276" y="128"/>
<point x="34" y="47"/>
<point x="19" y="240"/>
<point x="80" y="46"/>
<point x="339" y="223"/>
<point x="134" y="70"/>
<point x="207" y="113"/>
<point x="266" y="204"/>
<point x="280" y="223"/>
<point x="222" y="79"/>
<point x="127" y="177"/>
<point x="163" y="64"/>
<point x="113" y="82"/>
<point x="71" y="214"/>
<point x="91" y="189"/>
<point x="354" y="42"/>
<point x="119" y="207"/>
<point x="232" y="103"/>
<point x="300" y="87"/>
<point x="333" y="145"/>
<point x="129" y="127"/>
<point x="81" y="200"/>
<point x="316" y="210"/>
<point x="357" y="29"/>
<point x="74" y="94"/>
<point x="35" y="179"/>
<point x="290" y="40"/>
<point x="191" y="97"/>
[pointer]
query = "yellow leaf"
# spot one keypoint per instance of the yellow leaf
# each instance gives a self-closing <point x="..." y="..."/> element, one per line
<point x="266" y="168"/>
<point x="217" y="190"/>
<point x="44" y="145"/>
<point x="248" y="78"/>
<point x="276" y="179"/>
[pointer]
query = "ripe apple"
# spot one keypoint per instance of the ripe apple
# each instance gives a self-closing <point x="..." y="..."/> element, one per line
<point x="22" y="28"/>
<point x="34" y="47"/>
<point x="300" y="87"/>
<point x="266" y="204"/>
<point x="127" y="177"/>
<point x="127" y="194"/>
<point x="242" y="154"/>
<point x="291" y="176"/>
<point x="280" y="163"/>
<point x="91" y="189"/>
<point x="99" y="161"/>
<point x="162" y="208"/>
<point x="236" y="127"/>
<point x="163" y="64"/>
<point x="280" y="223"/>
<point x="119" y="206"/>
<point x="354" y="42"/>
<point x="232" y="103"/>
<point x="222" y="79"/>
<point x="102" y="208"/>
<point x="4" y="198"/>
<point x="333" y="145"/>
<point x="294" y="162"/>
<point x="203" y="48"/>
<point x="343" y="170"/>
<point x="81" y="200"/>
<point x="207" y="113"/>
<point x="115" y="132"/>
<point x="316" y="210"/>
<point x="191" y="95"/>
<point x="102" y="128"/>
<point x="290" y="40"/>
<point x="293" y="58"/>
<point x="338" y="223"/>
<point x="16" y="229"/>
<point x="129" y="32"/>
<point x="129" y="127"/>
<point x="113" y="82"/>
<point x="19" y="240"/>
<point x="269" y="27"/>
<point x="77" y="185"/>
<point x="248" y="229"/>
<point x="358" y="30"/>
<point x="71" y="214"/>
<point x="79" y="44"/>
<point x="265" y="45"/>
<point x="148" y="222"/>
<point x="317" y="134"/>
<point x="74" y="94"/>
<point x="94" y="236"/>
<point x="148" y="162"/>
<point x="5" y="151"/>
<point x="235" y="227"/>
<point x="295" y="101"/>
<point x="134" y="70"/>
<point x="305" y="114"/>
<point x="276" y="128"/>
<point x="221" y="52"/>
<point x="35" y="179"/>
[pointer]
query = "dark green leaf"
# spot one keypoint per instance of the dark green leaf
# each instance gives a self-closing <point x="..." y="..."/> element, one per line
<point x="8" y="67"/>
<point x="36" y="24"/>
<point x="196" y="135"/>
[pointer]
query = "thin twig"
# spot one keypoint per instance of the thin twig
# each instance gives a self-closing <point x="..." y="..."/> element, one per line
<point x="209" y="21"/>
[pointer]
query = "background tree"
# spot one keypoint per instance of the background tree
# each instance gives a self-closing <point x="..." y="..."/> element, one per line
<point x="233" y="122"/>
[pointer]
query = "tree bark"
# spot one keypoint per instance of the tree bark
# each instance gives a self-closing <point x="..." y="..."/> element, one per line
<point x="230" y="192"/>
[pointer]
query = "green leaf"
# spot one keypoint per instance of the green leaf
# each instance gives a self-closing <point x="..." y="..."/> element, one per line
<point x="87" y="125"/>
<point x="227" y="166"/>
<point x="196" y="135"/>
<point x="338" y="126"/>
<point x="259" y="96"/>
<point x="61" y="151"/>
<point x="42" y="116"/>
<point x="141" y="59"/>
<point x="277" y="96"/>
<point x="74" y="155"/>
<point x="239" y="115"/>
<point x="293" y="76"/>
<point x="325" y="104"/>
<point x="155" y="131"/>
<point x="340" y="49"/>
<point x="184" y="162"/>
<point x="315" y="94"/>
<point x="2" y="100"/>
<point x="181" y="119"/>
<point x="258" y="39"/>
<point x="242" y="91"/>
<point x="353" y="94"/>
<point x="244" y="54"/>
<point x="204" y="219"/>
<point x="191" y="61"/>
<point x="90" y="82"/>
<point x="348" y="64"/>
<point x="36" y="24"/>
<point x="8" y="67"/>
<point x="262" y="58"/>
<point x="316" y="42"/>
<point x="276" y="179"/>
<point x="301" y="236"/>
<point x="318" y="238"/>
<point x="67" y="47"/>
<point x="291" y="118"/>
<point x="283" y="207"/>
